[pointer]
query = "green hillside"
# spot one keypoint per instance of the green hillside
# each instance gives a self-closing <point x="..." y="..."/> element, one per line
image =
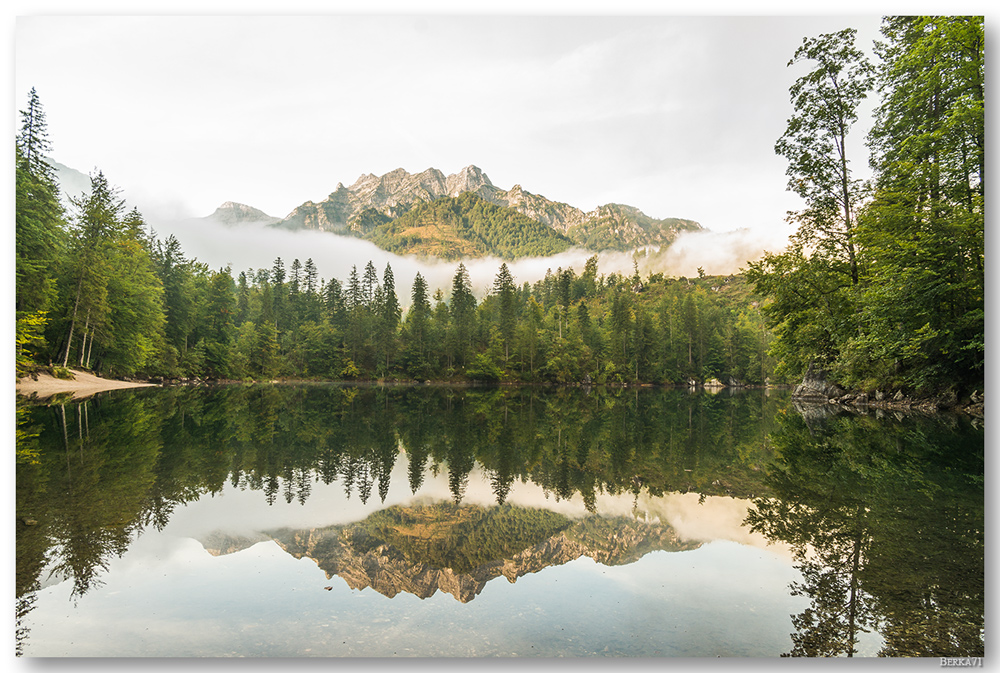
<point x="621" y="227"/>
<point x="463" y="226"/>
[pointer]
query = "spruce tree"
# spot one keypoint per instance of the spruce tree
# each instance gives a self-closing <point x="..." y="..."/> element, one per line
<point x="39" y="217"/>
<point x="33" y="140"/>
<point x="463" y="314"/>
<point x="417" y="328"/>
<point x="506" y="293"/>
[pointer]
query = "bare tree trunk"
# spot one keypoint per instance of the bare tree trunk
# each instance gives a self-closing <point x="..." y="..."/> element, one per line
<point x="83" y="344"/>
<point x="90" y="347"/>
<point x="72" y="322"/>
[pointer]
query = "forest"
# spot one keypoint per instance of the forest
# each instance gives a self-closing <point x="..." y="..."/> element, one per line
<point x="883" y="283"/>
<point x="465" y="224"/>
<point x="881" y="286"/>
<point x="101" y="292"/>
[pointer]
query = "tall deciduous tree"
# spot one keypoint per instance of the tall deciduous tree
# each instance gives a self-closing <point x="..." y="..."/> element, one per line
<point x="825" y="102"/>
<point x="133" y="334"/>
<point x="911" y="312"/>
<point x="924" y="231"/>
<point x="813" y="283"/>
<point x="97" y="225"/>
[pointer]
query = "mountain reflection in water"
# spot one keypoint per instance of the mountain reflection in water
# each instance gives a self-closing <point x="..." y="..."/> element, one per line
<point x="419" y="490"/>
<point x="457" y="550"/>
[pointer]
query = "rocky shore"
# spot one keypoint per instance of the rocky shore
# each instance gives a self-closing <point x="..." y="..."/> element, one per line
<point x="817" y="389"/>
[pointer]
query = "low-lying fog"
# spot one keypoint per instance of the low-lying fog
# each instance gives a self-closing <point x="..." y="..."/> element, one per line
<point x="255" y="246"/>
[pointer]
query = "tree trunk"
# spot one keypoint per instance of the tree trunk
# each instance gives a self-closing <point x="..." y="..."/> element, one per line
<point x="83" y="344"/>
<point x="72" y="322"/>
<point x="90" y="347"/>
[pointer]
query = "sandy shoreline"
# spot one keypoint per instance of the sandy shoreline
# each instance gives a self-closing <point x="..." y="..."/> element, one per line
<point x="84" y="385"/>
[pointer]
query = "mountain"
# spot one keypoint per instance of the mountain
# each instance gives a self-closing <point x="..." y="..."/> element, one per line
<point x="390" y="195"/>
<point x="447" y="216"/>
<point x="458" y="549"/>
<point x="460" y="226"/>
<point x="232" y="214"/>
<point x="72" y="183"/>
<point x="374" y="201"/>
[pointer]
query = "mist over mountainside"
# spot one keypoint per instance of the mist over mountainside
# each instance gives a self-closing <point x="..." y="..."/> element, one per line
<point x="232" y="214"/>
<point x="244" y="237"/>
<point x="72" y="183"/>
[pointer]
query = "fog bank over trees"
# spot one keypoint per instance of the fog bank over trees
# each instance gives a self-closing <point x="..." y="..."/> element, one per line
<point x="253" y="246"/>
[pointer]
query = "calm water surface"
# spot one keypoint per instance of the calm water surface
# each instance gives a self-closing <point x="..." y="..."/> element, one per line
<point x="328" y="520"/>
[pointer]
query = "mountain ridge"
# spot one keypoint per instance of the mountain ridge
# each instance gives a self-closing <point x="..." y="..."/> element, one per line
<point x="393" y="551"/>
<point x="370" y="207"/>
<point x="392" y="195"/>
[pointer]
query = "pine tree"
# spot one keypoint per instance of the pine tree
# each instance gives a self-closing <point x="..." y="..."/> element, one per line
<point x="505" y="291"/>
<point x="388" y="318"/>
<point x="352" y="298"/>
<point x="463" y="315"/>
<point x="39" y="221"/>
<point x="417" y="328"/>
<point x="335" y="304"/>
<point x="33" y="142"/>
<point x="279" y="296"/>
<point x="369" y="281"/>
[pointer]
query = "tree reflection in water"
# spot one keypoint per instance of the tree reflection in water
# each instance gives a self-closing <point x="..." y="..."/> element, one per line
<point x="885" y="518"/>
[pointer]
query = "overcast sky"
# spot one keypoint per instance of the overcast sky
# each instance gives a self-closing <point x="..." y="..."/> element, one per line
<point x="676" y="115"/>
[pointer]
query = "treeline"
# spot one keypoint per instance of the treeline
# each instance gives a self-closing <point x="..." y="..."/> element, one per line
<point x="883" y="285"/>
<point x="565" y="328"/>
<point x="98" y="290"/>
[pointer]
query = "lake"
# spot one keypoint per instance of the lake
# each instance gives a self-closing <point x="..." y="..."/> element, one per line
<point x="326" y="520"/>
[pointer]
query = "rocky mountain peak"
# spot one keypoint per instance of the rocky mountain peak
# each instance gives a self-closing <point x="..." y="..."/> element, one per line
<point x="469" y="179"/>
<point x="363" y="180"/>
<point x="231" y="212"/>
<point x="515" y="194"/>
<point x="390" y="563"/>
<point x="609" y="227"/>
